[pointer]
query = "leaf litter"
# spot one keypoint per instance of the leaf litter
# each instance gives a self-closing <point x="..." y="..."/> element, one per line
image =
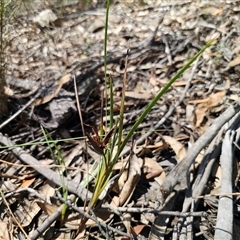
<point x="72" y="45"/>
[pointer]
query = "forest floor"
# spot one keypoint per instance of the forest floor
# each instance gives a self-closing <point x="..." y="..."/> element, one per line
<point x="180" y="148"/>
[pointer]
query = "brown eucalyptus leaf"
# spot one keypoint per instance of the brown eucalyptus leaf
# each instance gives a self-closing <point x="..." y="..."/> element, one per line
<point x="154" y="170"/>
<point x="27" y="182"/>
<point x="177" y="147"/>
<point x="205" y="105"/>
<point x="4" y="230"/>
<point x="134" y="173"/>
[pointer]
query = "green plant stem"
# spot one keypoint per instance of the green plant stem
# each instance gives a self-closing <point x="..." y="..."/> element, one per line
<point x="105" y="38"/>
<point x="159" y="95"/>
<point x="111" y="101"/>
<point x="3" y="96"/>
<point x="59" y="161"/>
<point x="104" y="163"/>
<point x="121" y="115"/>
<point x="105" y="167"/>
<point x="100" y="181"/>
<point x="105" y="51"/>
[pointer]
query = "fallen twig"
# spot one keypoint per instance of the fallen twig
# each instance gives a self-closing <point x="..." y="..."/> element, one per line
<point x="23" y="108"/>
<point x="155" y="211"/>
<point x="52" y="218"/>
<point x="46" y="172"/>
<point x="178" y="175"/>
<point x="224" y="225"/>
<point x="79" y="210"/>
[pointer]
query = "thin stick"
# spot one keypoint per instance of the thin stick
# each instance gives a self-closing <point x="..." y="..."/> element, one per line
<point x="12" y="215"/>
<point x="86" y="215"/>
<point x="22" y="108"/>
<point x="79" y="108"/>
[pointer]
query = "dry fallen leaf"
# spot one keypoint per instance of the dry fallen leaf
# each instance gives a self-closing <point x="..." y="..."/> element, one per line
<point x="154" y="170"/>
<point x="205" y="105"/>
<point x="234" y="62"/>
<point x="47" y="191"/>
<point x="115" y="201"/>
<point x="177" y="147"/>
<point x="134" y="172"/>
<point x="127" y="221"/>
<point x="117" y="106"/>
<point x="138" y="229"/>
<point x="27" y="183"/>
<point x="217" y="11"/>
<point x="45" y="17"/>
<point x="47" y="208"/>
<point x="138" y="95"/>
<point x="29" y="211"/>
<point x="4" y="231"/>
<point x="74" y="219"/>
<point x="52" y="90"/>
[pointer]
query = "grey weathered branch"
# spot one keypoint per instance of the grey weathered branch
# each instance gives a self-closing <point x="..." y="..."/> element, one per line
<point x="224" y="226"/>
<point x="178" y="175"/>
<point x="177" y="178"/>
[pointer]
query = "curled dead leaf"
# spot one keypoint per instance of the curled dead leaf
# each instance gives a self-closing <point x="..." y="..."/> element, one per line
<point x="134" y="173"/>
<point x="205" y="105"/>
<point x="153" y="169"/>
<point x="234" y="62"/>
<point x="177" y="147"/>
